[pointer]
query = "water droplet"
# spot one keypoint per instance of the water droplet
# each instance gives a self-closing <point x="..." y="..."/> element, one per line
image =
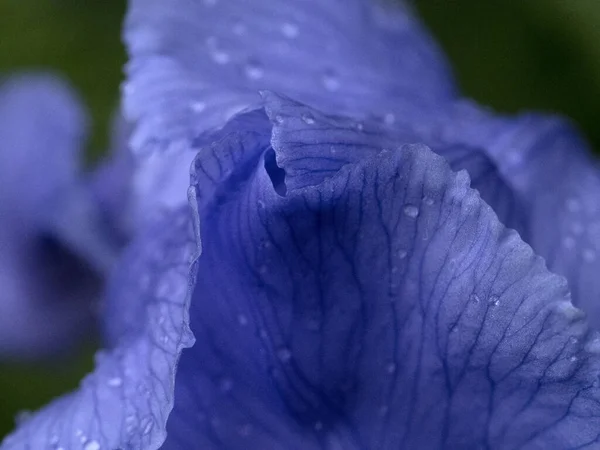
<point x="115" y="382"/>
<point x="568" y="242"/>
<point x="402" y="254"/>
<point x="289" y="30"/>
<point x="411" y="211"/>
<point x="332" y="150"/>
<point x="242" y="320"/>
<point x="360" y="126"/>
<point x="331" y="81"/>
<point x="573" y="205"/>
<point x="284" y="354"/>
<point x="428" y="201"/>
<point x="308" y="119"/>
<point x="91" y="445"/>
<point x="390" y="368"/>
<point x="220" y="57"/>
<point x="217" y="54"/>
<point x="279" y="119"/>
<point x="226" y="385"/>
<point x="573" y="340"/>
<point x="130" y="422"/>
<point x="254" y="70"/>
<point x="389" y="118"/>
<point x="147" y="424"/>
<point x="198" y="107"/>
<point x="494" y="300"/>
<point x="577" y="228"/>
<point x="474" y="298"/>
<point x="573" y="359"/>
<point x="589" y="255"/>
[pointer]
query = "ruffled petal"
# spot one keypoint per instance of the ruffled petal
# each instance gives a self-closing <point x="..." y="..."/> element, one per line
<point x="379" y="305"/>
<point x="125" y="402"/>
<point x="552" y="173"/>
<point x="193" y="65"/>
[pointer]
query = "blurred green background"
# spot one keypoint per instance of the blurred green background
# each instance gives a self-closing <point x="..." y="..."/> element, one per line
<point x="531" y="54"/>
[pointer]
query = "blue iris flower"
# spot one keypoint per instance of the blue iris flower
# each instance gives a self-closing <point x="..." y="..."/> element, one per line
<point x="353" y="262"/>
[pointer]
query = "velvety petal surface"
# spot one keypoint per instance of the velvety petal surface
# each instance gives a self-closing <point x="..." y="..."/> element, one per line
<point x="125" y="402"/>
<point x="370" y="300"/>
<point x="45" y="300"/>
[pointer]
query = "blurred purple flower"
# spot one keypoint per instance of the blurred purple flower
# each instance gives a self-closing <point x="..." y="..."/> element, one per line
<point x="366" y="277"/>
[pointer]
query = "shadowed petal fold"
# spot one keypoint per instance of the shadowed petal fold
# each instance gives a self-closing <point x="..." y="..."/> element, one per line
<point x="371" y="303"/>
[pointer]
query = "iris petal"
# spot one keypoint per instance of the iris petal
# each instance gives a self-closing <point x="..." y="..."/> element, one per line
<point x="195" y="64"/>
<point x="550" y="168"/>
<point x="125" y="402"/>
<point x="42" y="128"/>
<point x="382" y="305"/>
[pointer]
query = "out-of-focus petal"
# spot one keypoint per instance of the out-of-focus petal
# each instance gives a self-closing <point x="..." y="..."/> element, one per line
<point x="111" y="181"/>
<point x="46" y="294"/>
<point x="125" y="402"/>
<point x="382" y="305"/>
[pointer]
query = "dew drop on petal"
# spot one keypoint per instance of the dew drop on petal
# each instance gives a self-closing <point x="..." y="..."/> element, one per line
<point x="115" y="382"/>
<point x="198" y="107"/>
<point x="389" y="119"/>
<point x="568" y="242"/>
<point x="411" y="211"/>
<point x="254" y="70"/>
<point x="589" y="255"/>
<point x="226" y="385"/>
<point x="284" y="354"/>
<point x="91" y="445"/>
<point x="331" y="81"/>
<point x="390" y="368"/>
<point x="474" y="298"/>
<point x="494" y="300"/>
<point x="308" y="119"/>
<point x="289" y="30"/>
